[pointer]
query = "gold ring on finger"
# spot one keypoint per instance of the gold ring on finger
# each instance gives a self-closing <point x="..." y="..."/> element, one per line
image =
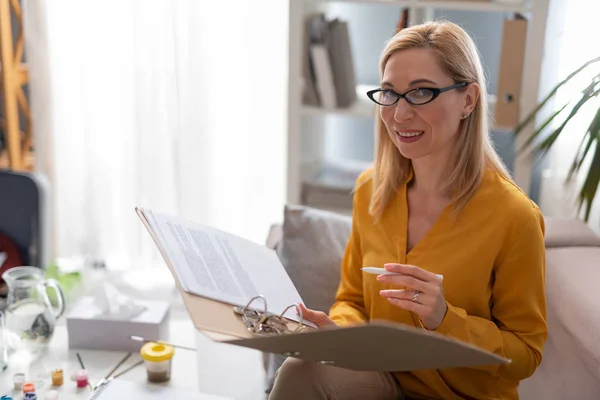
<point x="415" y="298"/>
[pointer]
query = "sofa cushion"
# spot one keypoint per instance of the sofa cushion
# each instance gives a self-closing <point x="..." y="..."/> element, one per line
<point x="311" y="249"/>
<point x="572" y="276"/>
<point x="564" y="232"/>
<point x="310" y="245"/>
<point x="571" y="358"/>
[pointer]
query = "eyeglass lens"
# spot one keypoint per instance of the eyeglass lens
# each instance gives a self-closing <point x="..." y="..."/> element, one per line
<point x="417" y="96"/>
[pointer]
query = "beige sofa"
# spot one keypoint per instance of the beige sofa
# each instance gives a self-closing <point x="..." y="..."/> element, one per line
<point x="311" y="242"/>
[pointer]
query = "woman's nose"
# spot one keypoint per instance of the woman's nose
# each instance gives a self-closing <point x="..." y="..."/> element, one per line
<point x="403" y="111"/>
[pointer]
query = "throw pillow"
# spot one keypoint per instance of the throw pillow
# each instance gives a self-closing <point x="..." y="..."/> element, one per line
<point x="311" y="249"/>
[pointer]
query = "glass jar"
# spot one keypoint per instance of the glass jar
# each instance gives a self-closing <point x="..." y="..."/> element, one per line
<point x="157" y="359"/>
<point x="3" y="344"/>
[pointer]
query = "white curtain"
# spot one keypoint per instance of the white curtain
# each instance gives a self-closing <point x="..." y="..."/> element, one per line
<point x="573" y="25"/>
<point x="175" y="105"/>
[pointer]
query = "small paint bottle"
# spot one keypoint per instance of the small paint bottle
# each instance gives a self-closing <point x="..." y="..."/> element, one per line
<point x="30" y="396"/>
<point x="157" y="359"/>
<point x="57" y="377"/>
<point x="28" y="388"/>
<point x="18" y="380"/>
<point x="81" y="377"/>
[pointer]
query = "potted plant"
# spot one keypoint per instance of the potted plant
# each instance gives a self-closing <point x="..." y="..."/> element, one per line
<point x="541" y="141"/>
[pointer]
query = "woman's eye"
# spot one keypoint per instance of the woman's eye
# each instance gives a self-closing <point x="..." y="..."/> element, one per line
<point x="387" y="97"/>
<point x="420" y="96"/>
<point x="421" y="93"/>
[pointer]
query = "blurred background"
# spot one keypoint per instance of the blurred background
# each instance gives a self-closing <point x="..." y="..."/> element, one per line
<point x="222" y="112"/>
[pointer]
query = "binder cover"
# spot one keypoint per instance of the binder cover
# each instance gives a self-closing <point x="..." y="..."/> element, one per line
<point x="376" y="346"/>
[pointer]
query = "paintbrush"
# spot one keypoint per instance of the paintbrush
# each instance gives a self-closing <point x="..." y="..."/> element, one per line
<point x="106" y="378"/>
<point x="137" y="364"/>
<point x="83" y="367"/>
<point x="110" y="378"/>
<point x="141" y="339"/>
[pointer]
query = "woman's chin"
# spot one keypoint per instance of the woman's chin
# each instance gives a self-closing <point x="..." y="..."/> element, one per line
<point x="411" y="151"/>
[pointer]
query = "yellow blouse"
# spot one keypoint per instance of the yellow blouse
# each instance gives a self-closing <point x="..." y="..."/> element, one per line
<point x="493" y="262"/>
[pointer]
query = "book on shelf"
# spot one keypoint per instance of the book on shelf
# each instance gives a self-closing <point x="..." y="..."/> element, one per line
<point x="329" y="78"/>
<point x="506" y="110"/>
<point x="309" y="91"/>
<point x="403" y="20"/>
<point x="324" y="74"/>
<point x="342" y="64"/>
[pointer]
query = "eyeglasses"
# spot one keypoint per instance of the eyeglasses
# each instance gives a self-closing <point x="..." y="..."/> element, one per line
<point x="417" y="96"/>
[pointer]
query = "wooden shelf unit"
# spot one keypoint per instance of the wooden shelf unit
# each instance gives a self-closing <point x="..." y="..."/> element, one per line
<point x="18" y="154"/>
<point x="466" y="5"/>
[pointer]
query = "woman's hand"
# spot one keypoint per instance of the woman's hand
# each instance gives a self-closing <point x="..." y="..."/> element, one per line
<point x="424" y="294"/>
<point x="318" y="318"/>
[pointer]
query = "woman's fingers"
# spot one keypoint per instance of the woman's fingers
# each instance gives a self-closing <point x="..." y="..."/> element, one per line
<point x="424" y="294"/>
<point x="319" y="318"/>
<point x="404" y="280"/>
<point x="410" y="305"/>
<point x="401" y="294"/>
<point x="413" y="271"/>
<point x="410" y="276"/>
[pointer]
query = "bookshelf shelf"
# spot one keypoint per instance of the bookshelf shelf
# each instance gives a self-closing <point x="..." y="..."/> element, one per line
<point x="466" y="5"/>
<point x="363" y="107"/>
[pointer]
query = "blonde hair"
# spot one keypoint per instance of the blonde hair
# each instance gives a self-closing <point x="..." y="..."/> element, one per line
<point x="458" y="56"/>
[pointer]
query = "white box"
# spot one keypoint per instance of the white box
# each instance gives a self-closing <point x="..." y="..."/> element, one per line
<point x="87" y="331"/>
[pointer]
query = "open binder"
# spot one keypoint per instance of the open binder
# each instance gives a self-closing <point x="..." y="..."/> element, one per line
<point x="376" y="346"/>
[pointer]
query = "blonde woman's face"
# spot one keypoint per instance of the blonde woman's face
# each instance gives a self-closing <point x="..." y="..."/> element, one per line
<point x="427" y="129"/>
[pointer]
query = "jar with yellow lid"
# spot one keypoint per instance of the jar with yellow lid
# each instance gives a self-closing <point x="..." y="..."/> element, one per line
<point x="157" y="359"/>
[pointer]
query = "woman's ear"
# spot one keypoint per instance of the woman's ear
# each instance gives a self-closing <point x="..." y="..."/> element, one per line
<point x="471" y="96"/>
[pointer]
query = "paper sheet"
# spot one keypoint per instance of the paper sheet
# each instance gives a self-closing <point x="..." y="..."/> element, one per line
<point x="221" y="266"/>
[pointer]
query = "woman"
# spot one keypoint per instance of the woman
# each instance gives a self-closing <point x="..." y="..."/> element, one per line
<point x="437" y="201"/>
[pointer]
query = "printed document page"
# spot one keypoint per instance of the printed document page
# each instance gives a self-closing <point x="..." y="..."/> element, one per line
<point x="221" y="266"/>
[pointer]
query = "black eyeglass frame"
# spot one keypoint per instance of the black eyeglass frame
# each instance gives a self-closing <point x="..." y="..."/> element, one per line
<point x="436" y="92"/>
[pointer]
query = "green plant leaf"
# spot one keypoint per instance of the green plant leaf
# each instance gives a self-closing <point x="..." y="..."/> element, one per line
<point x="590" y="185"/>
<point x="588" y="93"/>
<point x="591" y="135"/>
<point x="547" y="143"/>
<point x="579" y="155"/>
<point x="539" y="130"/>
<point x="534" y="112"/>
<point x="590" y="142"/>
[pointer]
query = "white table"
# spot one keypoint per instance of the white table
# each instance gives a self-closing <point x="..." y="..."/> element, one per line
<point x="99" y="363"/>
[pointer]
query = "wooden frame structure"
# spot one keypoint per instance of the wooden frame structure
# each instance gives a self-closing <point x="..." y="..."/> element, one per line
<point x="17" y="154"/>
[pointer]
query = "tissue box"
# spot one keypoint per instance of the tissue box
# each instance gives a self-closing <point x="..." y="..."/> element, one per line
<point x="87" y="330"/>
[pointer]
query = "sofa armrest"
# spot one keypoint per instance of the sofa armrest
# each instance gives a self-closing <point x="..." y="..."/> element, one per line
<point x="566" y="232"/>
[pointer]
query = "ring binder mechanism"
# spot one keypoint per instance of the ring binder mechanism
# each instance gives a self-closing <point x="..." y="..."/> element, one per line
<point x="373" y="346"/>
<point x="264" y="323"/>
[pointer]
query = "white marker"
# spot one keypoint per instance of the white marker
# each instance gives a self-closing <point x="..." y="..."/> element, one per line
<point x="383" y="271"/>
